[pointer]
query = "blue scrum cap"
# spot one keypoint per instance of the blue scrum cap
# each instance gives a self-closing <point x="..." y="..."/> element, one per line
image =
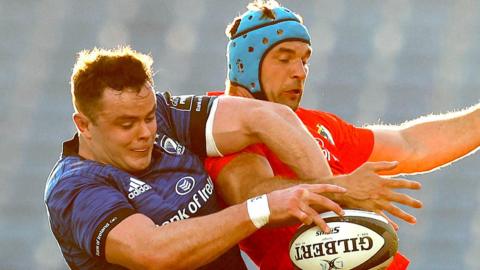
<point x="255" y="36"/>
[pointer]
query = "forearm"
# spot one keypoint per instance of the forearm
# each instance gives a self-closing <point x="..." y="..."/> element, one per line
<point x="428" y="142"/>
<point x="201" y="240"/>
<point x="438" y="140"/>
<point x="185" y="244"/>
<point x="240" y="122"/>
<point x="292" y="143"/>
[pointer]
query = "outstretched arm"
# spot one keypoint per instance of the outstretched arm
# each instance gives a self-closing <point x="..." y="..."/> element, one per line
<point x="240" y="122"/>
<point x="137" y="243"/>
<point x="250" y="174"/>
<point x="428" y="142"/>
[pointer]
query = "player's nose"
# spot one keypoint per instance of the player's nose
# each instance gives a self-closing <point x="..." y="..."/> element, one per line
<point x="145" y="131"/>
<point x="299" y="70"/>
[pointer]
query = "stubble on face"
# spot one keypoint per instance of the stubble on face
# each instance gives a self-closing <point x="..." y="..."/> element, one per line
<point x="284" y="71"/>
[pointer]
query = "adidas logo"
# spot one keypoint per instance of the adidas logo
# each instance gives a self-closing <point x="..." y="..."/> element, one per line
<point x="137" y="187"/>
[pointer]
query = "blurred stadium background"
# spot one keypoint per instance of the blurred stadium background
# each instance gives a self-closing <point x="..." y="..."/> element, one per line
<point x="373" y="62"/>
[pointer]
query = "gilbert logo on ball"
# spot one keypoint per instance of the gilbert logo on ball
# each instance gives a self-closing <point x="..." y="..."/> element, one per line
<point x="358" y="240"/>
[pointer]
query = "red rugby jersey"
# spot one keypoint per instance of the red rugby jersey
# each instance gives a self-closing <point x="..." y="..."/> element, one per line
<point x="345" y="146"/>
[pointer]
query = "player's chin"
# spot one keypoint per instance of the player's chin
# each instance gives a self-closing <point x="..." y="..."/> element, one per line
<point x="139" y="164"/>
<point x="293" y="104"/>
<point x="291" y="101"/>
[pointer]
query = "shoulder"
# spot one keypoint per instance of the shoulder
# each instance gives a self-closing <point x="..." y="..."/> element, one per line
<point x="318" y="119"/>
<point x="179" y="103"/>
<point x="163" y="97"/>
<point x="326" y="116"/>
<point x="72" y="172"/>
<point x="81" y="187"/>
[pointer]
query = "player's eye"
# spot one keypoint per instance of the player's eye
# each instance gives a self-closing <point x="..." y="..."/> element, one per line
<point x="126" y="125"/>
<point x="150" y="119"/>
<point x="283" y="58"/>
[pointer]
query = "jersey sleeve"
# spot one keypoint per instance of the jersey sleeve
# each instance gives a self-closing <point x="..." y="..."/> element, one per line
<point x="355" y="144"/>
<point x="84" y="211"/>
<point x="214" y="165"/>
<point x="185" y="118"/>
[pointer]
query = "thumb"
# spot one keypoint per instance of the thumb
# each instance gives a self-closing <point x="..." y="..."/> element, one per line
<point x="381" y="165"/>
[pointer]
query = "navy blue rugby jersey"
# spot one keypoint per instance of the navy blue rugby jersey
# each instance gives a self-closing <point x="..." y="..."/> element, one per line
<point x="86" y="199"/>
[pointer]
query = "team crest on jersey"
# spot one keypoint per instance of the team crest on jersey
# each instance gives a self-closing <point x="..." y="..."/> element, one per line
<point x="197" y="200"/>
<point x="171" y="146"/>
<point x="185" y="185"/>
<point x="324" y="132"/>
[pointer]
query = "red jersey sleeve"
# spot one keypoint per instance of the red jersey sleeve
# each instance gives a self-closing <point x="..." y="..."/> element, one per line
<point x="355" y="144"/>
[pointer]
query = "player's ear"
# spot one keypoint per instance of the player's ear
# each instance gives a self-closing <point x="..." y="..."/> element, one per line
<point x="82" y="122"/>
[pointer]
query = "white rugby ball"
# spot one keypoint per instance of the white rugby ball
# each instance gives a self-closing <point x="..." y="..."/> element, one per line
<point x="358" y="240"/>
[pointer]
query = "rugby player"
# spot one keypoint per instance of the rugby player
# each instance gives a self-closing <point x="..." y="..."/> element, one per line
<point x="130" y="190"/>
<point x="268" y="54"/>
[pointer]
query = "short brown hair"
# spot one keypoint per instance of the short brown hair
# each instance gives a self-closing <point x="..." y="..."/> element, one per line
<point x="98" y="69"/>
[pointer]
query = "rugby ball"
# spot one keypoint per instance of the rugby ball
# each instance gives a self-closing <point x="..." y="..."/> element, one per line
<point x="358" y="240"/>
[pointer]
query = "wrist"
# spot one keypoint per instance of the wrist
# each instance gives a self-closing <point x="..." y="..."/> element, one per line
<point x="338" y="181"/>
<point x="258" y="210"/>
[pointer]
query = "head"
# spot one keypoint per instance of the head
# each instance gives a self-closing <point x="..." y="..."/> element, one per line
<point x="112" y="92"/>
<point x="267" y="54"/>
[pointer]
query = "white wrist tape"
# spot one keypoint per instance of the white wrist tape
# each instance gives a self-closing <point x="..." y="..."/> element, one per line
<point x="258" y="210"/>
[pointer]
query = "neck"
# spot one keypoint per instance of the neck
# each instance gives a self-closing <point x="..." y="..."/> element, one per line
<point x="84" y="149"/>
<point x="237" y="91"/>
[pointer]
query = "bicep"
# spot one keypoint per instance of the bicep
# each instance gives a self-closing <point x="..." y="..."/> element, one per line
<point x="238" y="179"/>
<point x="239" y="122"/>
<point x="95" y="212"/>
<point x="124" y="240"/>
<point x="226" y="130"/>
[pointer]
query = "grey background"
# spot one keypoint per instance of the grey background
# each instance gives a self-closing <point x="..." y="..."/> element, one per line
<point x="373" y="62"/>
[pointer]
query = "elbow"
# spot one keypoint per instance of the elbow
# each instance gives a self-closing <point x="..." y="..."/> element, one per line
<point x="232" y="198"/>
<point x="229" y="191"/>
<point x="265" y="113"/>
<point x="283" y="111"/>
